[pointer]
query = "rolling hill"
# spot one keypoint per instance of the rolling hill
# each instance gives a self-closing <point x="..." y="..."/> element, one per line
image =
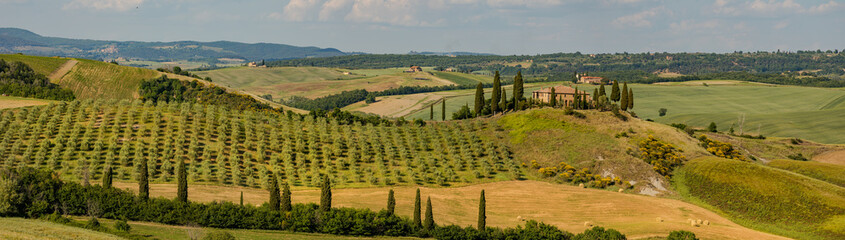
<point x="15" y="40"/>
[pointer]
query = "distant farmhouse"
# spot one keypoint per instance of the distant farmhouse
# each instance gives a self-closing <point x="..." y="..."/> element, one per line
<point x="254" y="64"/>
<point x="588" y="79"/>
<point x="565" y="95"/>
<point x="414" y="69"/>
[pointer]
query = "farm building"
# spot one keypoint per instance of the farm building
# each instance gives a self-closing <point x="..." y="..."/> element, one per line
<point x="414" y="69"/>
<point x="590" y="80"/>
<point x="565" y="95"/>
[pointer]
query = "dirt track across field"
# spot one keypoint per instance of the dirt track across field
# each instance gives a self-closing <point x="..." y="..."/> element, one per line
<point x="62" y="70"/>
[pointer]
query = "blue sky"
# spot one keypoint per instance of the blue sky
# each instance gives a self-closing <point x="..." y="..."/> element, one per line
<point x="489" y="26"/>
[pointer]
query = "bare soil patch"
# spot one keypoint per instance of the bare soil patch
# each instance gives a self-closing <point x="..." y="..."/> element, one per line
<point x="833" y="157"/>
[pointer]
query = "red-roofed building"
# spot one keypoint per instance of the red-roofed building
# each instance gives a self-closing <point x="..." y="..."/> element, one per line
<point x="565" y="95"/>
<point x="590" y="80"/>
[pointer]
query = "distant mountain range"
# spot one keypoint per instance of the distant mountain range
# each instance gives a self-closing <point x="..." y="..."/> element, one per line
<point x="450" y="53"/>
<point x="16" y="40"/>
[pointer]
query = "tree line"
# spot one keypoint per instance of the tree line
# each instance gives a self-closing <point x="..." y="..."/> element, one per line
<point x="18" y="79"/>
<point x="33" y="193"/>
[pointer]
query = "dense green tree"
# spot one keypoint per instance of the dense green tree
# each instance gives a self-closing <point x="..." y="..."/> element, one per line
<point x="504" y="104"/>
<point x="182" y="182"/>
<point x="286" y="204"/>
<point x="482" y="213"/>
<point x="518" y="89"/>
<point x="431" y="113"/>
<point x="443" y="110"/>
<point x="143" y="180"/>
<point x="553" y="97"/>
<point x="107" y="176"/>
<point x="712" y="127"/>
<point x="596" y="95"/>
<point x="274" y="193"/>
<point x="614" y="91"/>
<point x="326" y="194"/>
<point x="429" y="216"/>
<point x="623" y="99"/>
<point x="494" y="97"/>
<point x="602" y="92"/>
<point x="630" y="98"/>
<point x="479" y="99"/>
<point x="576" y="100"/>
<point x="417" y="210"/>
<point x="391" y="202"/>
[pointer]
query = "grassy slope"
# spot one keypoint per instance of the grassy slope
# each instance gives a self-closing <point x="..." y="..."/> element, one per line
<point x="775" y="148"/>
<point x="765" y="198"/>
<point x="567" y="207"/>
<point x="99" y="80"/>
<point x="23" y="229"/>
<point x="42" y="65"/>
<point x="463" y="79"/>
<point x="313" y="82"/>
<point x="831" y="173"/>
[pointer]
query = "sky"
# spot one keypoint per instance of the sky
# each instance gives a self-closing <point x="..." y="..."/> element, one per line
<point x="521" y="27"/>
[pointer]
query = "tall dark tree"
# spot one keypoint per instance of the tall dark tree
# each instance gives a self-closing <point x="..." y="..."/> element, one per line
<point x="326" y="195"/>
<point x="391" y="202"/>
<point x="630" y="98"/>
<point x="443" y="110"/>
<point x="143" y="180"/>
<point x="182" y="182"/>
<point x="553" y="97"/>
<point x="614" y="91"/>
<point x="431" y="113"/>
<point x="623" y="100"/>
<point x="417" y="212"/>
<point x="107" y="176"/>
<point x="286" y="204"/>
<point x="274" y="193"/>
<point x="602" y="92"/>
<point x="429" y="216"/>
<point x="596" y="95"/>
<point x="576" y="100"/>
<point x="518" y="89"/>
<point x="504" y="104"/>
<point x="482" y="213"/>
<point x="242" y="198"/>
<point x="494" y="97"/>
<point x="479" y="99"/>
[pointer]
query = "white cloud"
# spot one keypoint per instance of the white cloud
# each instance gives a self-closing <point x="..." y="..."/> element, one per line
<point x="771" y="6"/>
<point x="640" y="19"/>
<point x="300" y="10"/>
<point x="825" y="7"/>
<point x="781" y="25"/>
<point x="103" y="5"/>
<point x="334" y="9"/>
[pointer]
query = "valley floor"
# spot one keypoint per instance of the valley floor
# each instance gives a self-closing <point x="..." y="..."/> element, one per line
<point x="568" y="207"/>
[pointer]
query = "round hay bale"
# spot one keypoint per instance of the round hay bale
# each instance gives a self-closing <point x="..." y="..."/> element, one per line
<point x="621" y="190"/>
<point x="692" y="223"/>
<point x="588" y="224"/>
<point x="581" y="185"/>
<point x="520" y="218"/>
<point x="659" y="219"/>
<point x="698" y="221"/>
<point x="706" y="222"/>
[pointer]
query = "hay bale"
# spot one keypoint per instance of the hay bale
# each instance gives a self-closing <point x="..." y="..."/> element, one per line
<point x="588" y="224"/>
<point x="520" y="218"/>
<point x="706" y="222"/>
<point x="659" y="219"/>
<point x="581" y="185"/>
<point x="698" y="221"/>
<point x="621" y="190"/>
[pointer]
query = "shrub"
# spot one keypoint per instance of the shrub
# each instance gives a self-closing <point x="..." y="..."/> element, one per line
<point x="662" y="112"/>
<point x="662" y="156"/>
<point x="798" y="157"/>
<point x="720" y="149"/>
<point x="219" y="235"/>
<point x="121" y="225"/>
<point x="93" y="223"/>
<point x="600" y="233"/>
<point x="681" y="235"/>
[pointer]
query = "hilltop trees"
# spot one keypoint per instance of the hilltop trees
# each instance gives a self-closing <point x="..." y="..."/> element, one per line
<point x="518" y="90"/>
<point x="614" y="91"/>
<point x="624" y="97"/>
<point x="494" y="98"/>
<point x="479" y="99"/>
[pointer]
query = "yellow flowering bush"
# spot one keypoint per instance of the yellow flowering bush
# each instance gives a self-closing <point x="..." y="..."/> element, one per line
<point x="662" y="156"/>
<point x="721" y="149"/>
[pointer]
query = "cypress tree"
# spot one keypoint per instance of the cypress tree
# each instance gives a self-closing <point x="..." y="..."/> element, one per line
<point x="601" y="91"/>
<point x="553" y="98"/>
<point x="595" y="95"/>
<point x="518" y="90"/>
<point x="274" y="193"/>
<point x="479" y="99"/>
<point x="504" y="103"/>
<point x="286" y="205"/>
<point x="182" y="176"/>
<point x="576" y="100"/>
<point x="429" y="216"/>
<point x="614" y="91"/>
<point x="417" y="219"/>
<point x="623" y="100"/>
<point x="482" y="213"/>
<point x="326" y="195"/>
<point x="391" y="202"/>
<point x="630" y="98"/>
<point x="494" y="98"/>
<point x="443" y="110"/>
<point x="242" y="198"/>
<point x="143" y="181"/>
<point x="107" y="177"/>
<point x="431" y="113"/>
